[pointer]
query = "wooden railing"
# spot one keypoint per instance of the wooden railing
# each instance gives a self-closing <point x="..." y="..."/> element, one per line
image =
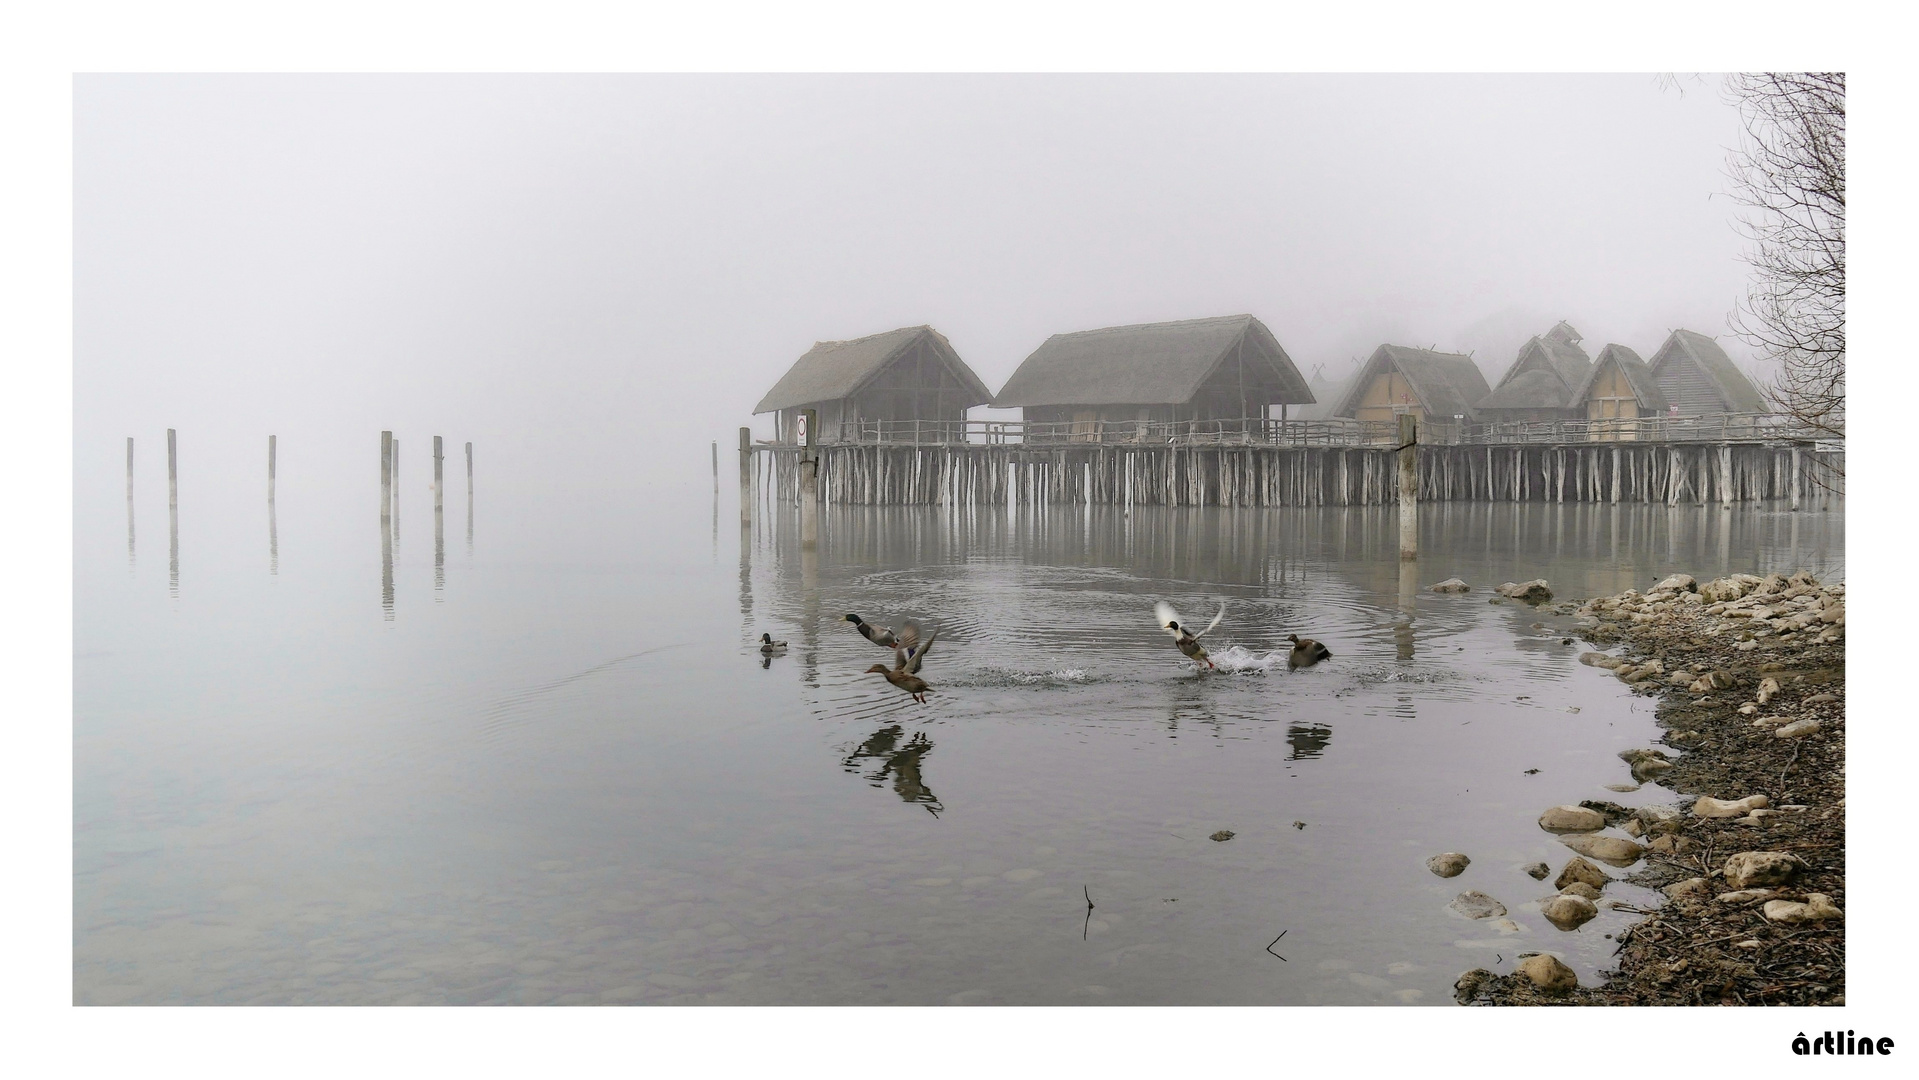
<point x="1263" y="431"/>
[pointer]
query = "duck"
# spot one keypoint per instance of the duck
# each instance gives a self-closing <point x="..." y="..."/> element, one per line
<point x="1184" y="638"/>
<point x="882" y="636"/>
<point x="769" y="647"/>
<point x="1306" y="652"/>
<point x="908" y="655"/>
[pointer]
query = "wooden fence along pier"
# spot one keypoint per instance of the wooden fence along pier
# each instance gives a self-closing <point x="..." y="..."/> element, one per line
<point x="1262" y="463"/>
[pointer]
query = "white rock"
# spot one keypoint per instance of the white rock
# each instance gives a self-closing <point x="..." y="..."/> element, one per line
<point x="1818" y="906"/>
<point x="1679" y="583"/>
<point x="1768" y="686"/>
<point x="1547" y="973"/>
<point x="1797" y="729"/>
<point x="1708" y="807"/>
<point x="1572" y="819"/>
<point x="1750" y="868"/>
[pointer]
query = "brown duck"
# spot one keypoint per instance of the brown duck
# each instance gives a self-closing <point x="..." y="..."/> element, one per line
<point x="1183" y="637"/>
<point x="908" y="655"/>
<point x="1306" y="652"/>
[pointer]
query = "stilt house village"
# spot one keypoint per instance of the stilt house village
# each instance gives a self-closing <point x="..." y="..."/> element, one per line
<point x="1215" y="411"/>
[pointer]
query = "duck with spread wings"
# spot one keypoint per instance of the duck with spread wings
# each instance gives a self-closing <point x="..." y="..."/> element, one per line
<point x="882" y="636"/>
<point x="908" y="654"/>
<point x="1183" y="636"/>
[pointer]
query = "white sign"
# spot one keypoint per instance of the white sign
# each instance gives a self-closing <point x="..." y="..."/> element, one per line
<point x="799" y="432"/>
<point x="1829" y="446"/>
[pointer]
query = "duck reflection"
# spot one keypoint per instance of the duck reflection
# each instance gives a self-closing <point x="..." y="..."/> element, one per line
<point x="1307" y="740"/>
<point x="887" y="755"/>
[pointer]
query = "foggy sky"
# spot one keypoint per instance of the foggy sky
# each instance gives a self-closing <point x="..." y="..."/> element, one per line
<point x="631" y="261"/>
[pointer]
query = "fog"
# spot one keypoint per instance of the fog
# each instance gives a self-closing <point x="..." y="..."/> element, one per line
<point x="592" y="278"/>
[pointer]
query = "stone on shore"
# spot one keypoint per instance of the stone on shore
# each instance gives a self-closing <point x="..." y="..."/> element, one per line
<point x="1768" y="686"/>
<point x="1468" y="985"/>
<point x="1535" y="591"/>
<point x="1818" y="907"/>
<point x="1538" y="871"/>
<point x="1448" y="864"/>
<point x="1599" y="660"/>
<point x="1452" y="585"/>
<point x="1750" y="868"/>
<point x="1613" y="850"/>
<point x="1578" y="869"/>
<point x="1572" y="819"/>
<point x="1708" y="807"/>
<point x="1474" y="904"/>
<point x="1646" y="768"/>
<point x="1697" y="888"/>
<point x="1581" y="889"/>
<point x="1679" y="583"/>
<point x="1568" y="911"/>
<point x="1548" y="974"/>
<point x="1797" y="729"/>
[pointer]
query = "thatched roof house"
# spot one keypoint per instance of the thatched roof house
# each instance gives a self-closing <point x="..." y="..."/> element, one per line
<point x="1619" y="387"/>
<point x="1539" y="385"/>
<point x="1227" y="368"/>
<point x="902" y="375"/>
<point x="1430" y="385"/>
<point x="1698" y="378"/>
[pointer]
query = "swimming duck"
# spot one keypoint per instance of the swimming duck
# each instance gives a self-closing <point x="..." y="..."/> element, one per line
<point x="882" y="636"/>
<point x="1306" y="652"/>
<point x="908" y="655"/>
<point x="769" y="647"/>
<point x="1185" y="639"/>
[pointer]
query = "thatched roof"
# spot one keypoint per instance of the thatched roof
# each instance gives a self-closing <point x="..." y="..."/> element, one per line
<point x="1537" y="388"/>
<point x="1326" y="394"/>
<point x="1447" y="384"/>
<point x="1638" y="376"/>
<point x="1149" y="364"/>
<point x="1563" y="333"/>
<point x="831" y="370"/>
<point x="1735" y="390"/>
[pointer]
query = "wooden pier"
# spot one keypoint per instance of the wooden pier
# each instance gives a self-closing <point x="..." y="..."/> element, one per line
<point x="1260" y="463"/>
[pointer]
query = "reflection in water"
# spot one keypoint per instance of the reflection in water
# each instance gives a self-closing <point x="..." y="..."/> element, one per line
<point x="469" y="500"/>
<point x="902" y="762"/>
<point x="173" y="516"/>
<point x="1307" y="740"/>
<point x="1408" y="600"/>
<point x="273" y="519"/>
<point x="439" y="525"/>
<point x="386" y="524"/>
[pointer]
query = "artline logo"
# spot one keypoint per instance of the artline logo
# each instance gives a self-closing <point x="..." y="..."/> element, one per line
<point x="1832" y="1042"/>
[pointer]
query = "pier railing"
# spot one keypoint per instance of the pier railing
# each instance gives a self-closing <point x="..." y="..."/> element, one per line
<point x="1264" y="431"/>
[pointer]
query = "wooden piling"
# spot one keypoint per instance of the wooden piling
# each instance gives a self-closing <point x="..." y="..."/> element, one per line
<point x="469" y="499"/>
<point x="809" y="488"/>
<point x="746" y="478"/>
<point x="386" y="481"/>
<point x="1408" y="486"/>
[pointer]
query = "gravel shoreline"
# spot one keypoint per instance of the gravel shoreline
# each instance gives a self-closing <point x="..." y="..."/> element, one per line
<point x="1750" y="676"/>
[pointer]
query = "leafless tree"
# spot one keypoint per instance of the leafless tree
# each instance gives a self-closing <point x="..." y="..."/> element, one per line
<point x="1789" y="173"/>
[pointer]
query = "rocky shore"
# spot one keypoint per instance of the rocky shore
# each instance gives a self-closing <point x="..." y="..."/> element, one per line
<point x="1750" y="676"/>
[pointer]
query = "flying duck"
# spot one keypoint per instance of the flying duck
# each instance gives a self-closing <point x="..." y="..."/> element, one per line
<point x="1185" y="639"/>
<point x="908" y="655"/>
<point x="882" y="636"/>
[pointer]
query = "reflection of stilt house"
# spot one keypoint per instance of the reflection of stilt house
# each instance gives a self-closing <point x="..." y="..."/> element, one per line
<point x="1541" y="382"/>
<point x="1113" y="384"/>
<point x="904" y="385"/>
<point x="1697" y="378"/>
<point x="1619" y="387"/>
<point x="1430" y="385"/>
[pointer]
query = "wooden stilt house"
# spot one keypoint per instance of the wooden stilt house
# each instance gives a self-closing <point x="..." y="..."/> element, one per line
<point x="1541" y="381"/>
<point x="1620" y="387"/>
<point x="1197" y="377"/>
<point x="1434" y="386"/>
<point x="903" y="385"/>
<point x="1697" y="378"/>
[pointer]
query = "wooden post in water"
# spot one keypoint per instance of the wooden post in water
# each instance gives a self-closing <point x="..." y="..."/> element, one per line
<point x="746" y="478"/>
<point x="395" y="491"/>
<point x="1408" y="486"/>
<point x="1795" y="475"/>
<point x="809" y="482"/>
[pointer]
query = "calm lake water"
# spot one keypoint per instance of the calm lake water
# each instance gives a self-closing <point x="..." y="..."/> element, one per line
<point x="555" y="769"/>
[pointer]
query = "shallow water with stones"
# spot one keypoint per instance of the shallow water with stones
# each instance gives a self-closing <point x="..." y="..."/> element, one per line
<point x="556" y="768"/>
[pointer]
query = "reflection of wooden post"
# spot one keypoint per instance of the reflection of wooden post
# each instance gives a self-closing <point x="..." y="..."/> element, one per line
<point x="809" y="484"/>
<point x="439" y="520"/>
<point x="1795" y="473"/>
<point x="129" y="499"/>
<point x="469" y="498"/>
<point x="386" y="481"/>
<point x="746" y="477"/>
<point x="1408" y="486"/>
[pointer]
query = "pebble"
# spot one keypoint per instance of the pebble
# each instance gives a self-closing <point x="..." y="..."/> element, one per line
<point x="1569" y="912"/>
<point x="1708" y="807"/>
<point x="1822" y="699"/>
<point x="1580" y="889"/>
<point x="1614" y="850"/>
<point x="1580" y="870"/>
<point x="1797" y="729"/>
<point x="1697" y="888"/>
<point x="1743" y="896"/>
<point x="1474" y="904"/>
<point x="1448" y="864"/>
<point x="1749" y="868"/>
<point x="1222" y="835"/>
<point x="1817" y="907"/>
<point x="1570" y="818"/>
<point x="1548" y="973"/>
<point x="1538" y="871"/>
<point x="1452" y="585"/>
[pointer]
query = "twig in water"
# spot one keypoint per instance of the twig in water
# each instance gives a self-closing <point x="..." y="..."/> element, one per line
<point x="1087" y="927"/>
<point x="1275" y="941"/>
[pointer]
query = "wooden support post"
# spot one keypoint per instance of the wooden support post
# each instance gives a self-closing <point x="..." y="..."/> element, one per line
<point x="273" y="516"/>
<point x="1725" y="474"/>
<point x="1795" y="472"/>
<point x="809" y="483"/>
<point x="746" y="478"/>
<point x="386" y="481"/>
<point x="1408" y="486"/>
